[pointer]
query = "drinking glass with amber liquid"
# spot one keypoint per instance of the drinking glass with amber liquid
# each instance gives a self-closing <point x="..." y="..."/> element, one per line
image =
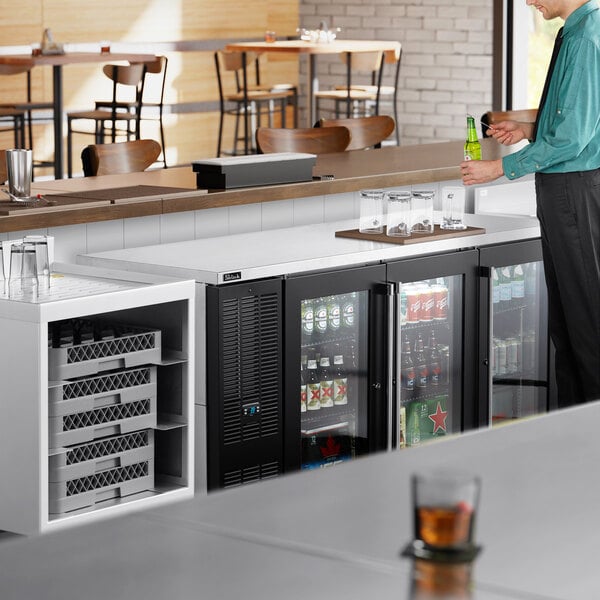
<point x="445" y="505"/>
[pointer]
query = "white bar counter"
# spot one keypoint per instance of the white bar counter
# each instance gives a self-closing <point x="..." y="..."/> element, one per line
<point x="337" y="533"/>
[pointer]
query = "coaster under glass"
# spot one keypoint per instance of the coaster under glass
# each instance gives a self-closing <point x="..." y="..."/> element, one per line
<point x="417" y="549"/>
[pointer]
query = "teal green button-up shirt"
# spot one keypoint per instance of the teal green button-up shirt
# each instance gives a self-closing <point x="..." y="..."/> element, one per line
<point x="568" y="135"/>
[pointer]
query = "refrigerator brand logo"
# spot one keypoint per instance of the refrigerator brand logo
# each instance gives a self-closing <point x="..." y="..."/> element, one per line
<point x="234" y="276"/>
<point x="331" y="448"/>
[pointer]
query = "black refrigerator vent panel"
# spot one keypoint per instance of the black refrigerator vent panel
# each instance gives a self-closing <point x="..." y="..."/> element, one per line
<point x="250" y="474"/>
<point x="251" y="362"/>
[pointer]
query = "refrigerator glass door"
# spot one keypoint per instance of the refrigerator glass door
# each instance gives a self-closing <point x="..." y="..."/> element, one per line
<point x="519" y="342"/>
<point x="333" y="377"/>
<point x="431" y="357"/>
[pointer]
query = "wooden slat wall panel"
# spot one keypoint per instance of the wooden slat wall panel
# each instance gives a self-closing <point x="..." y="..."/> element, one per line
<point x="191" y="77"/>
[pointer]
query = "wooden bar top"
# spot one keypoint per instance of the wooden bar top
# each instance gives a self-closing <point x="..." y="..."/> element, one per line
<point x="354" y="170"/>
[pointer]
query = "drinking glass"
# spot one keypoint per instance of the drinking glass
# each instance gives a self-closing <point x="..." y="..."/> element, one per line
<point x="421" y="205"/>
<point x="22" y="280"/>
<point x="453" y="208"/>
<point x="371" y="211"/>
<point x="398" y="213"/>
<point x="40" y="244"/>
<point x="19" y="164"/>
<point x="445" y="505"/>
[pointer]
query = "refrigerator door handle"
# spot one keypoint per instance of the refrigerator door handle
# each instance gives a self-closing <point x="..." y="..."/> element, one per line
<point x="391" y="312"/>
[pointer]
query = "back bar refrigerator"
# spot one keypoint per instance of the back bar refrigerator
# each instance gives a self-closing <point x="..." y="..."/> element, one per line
<point x="336" y="334"/>
<point x="516" y="374"/>
<point x="434" y="349"/>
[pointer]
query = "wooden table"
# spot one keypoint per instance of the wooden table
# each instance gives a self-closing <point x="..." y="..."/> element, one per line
<point x="313" y="49"/>
<point x="57" y="61"/>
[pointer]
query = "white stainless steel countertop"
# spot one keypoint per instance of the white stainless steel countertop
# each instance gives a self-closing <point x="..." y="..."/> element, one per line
<point x="292" y="250"/>
<point x="337" y="532"/>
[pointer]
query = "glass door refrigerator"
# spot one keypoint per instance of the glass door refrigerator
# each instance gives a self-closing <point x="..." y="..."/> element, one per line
<point x="336" y="332"/>
<point x="435" y="347"/>
<point x="516" y="372"/>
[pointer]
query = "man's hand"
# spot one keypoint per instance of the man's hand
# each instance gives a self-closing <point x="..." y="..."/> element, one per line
<point x="480" y="171"/>
<point x="510" y="132"/>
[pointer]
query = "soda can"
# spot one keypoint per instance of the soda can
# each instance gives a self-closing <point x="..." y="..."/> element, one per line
<point x="440" y="302"/>
<point x="413" y="304"/>
<point x="427" y="302"/>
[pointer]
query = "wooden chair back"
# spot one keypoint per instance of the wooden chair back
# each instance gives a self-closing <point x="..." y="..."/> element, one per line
<point x="366" y="132"/>
<point x="527" y="115"/>
<point x="125" y="74"/>
<point x="314" y="140"/>
<point x="121" y="157"/>
<point x="3" y="168"/>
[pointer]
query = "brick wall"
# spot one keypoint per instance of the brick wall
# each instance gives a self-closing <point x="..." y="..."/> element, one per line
<point x="446" y="57"/>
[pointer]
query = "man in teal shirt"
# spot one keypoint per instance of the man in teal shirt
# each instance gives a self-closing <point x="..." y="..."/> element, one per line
<point x="564" y="154"/>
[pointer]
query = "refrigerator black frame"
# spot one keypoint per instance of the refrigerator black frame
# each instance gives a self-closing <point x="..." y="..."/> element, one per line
<point x="501" y="255"/>
<point x="465" y="263"/>
<point x="369" y="278"/>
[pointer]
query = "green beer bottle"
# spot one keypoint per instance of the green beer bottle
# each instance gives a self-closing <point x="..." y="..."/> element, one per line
<point x="472" y="145"/>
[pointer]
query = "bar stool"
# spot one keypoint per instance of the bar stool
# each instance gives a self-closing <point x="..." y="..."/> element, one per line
<point x="30" y="107"/>
<point x="13" y="120"/>
<point x="245" y="103"/>
<point x="155" y="78"/>
<point x="114" y="120"/>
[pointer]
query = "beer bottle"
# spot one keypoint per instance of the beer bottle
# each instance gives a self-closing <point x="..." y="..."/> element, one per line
<point x="340" y="381"/>
<point x="505" y="286"/>
<point x="472" y="145"/>
<point x="435" y="366"/>
<point x="326" y="383"/>
<point x="407" y="367"/>
<point x="321" y="317"/>
<point x="307" y="316"/>
<point x="348" y="310"/>
<point x="313" y="387"/>
<point x="334" y="317"/>
<point x="421" y="364"/>
<point x="303" y="384"/>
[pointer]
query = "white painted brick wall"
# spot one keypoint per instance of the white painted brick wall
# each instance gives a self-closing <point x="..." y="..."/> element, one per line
<point x="446" y="63"/>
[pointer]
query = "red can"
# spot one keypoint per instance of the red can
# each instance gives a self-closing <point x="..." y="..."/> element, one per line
<point x="427" y="303"/>
<point x="413" y="304"/>
<point x="440" y="298"/>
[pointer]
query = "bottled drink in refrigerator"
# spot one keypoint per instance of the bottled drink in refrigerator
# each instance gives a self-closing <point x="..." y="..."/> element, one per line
<point x="421" y="364"/>
<point x="340" y="381"/>
<point x="313" y="387"/>
<point x="348" y="310"/>
<point x="435" y="366"/>
<point x="320" y="317"/>
<point x="308" y="317"/>
<point x="495" y="286"/>
<point x="303" y="384"/>
<point x="326" y="383"/>
<point x="334" y="316"/>
<point x="505" y="286"/>
<point x="413" y="428"/>
<point x="407" y="368"/>
<point x="518" y="283"/>
<point x="530" y="281"/>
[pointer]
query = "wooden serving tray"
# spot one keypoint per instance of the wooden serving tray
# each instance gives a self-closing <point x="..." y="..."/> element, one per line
<point x="415" y="238"/>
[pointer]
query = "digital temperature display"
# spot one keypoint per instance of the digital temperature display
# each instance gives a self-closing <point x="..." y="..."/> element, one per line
<point x="252" y="409"/>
